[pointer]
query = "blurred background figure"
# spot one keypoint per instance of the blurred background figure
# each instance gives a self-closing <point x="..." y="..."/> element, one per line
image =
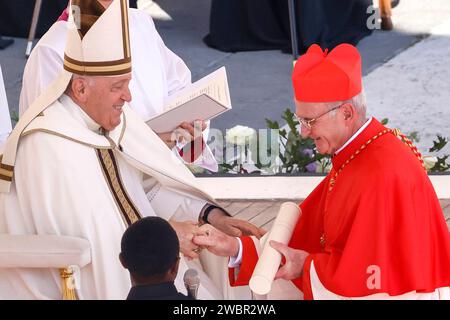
<point x="151" y="252"/>
<point x="133" y="3"/>
<point x="386" y="13"/>
<point x="5" y="42"/>
<point x="16" y="16"/>
<point x="244" y="25"/>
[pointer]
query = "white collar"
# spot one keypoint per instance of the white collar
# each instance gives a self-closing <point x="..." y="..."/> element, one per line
<point x="364" y="126"/>
<point x="76" y="111"/>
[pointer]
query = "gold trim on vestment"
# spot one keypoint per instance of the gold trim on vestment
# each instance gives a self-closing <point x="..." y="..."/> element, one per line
<point x="128" y="210"/>
<point x="5" y="178"/>
<point x="6" y="171"/>
<point x="6" y="167"/>
<point x="65" y="137"/>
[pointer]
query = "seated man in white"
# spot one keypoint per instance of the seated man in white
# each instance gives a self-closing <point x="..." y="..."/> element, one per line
<point x="81" y="163"/>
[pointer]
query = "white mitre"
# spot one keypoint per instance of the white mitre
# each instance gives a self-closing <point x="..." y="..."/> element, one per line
<point x="98" y="44"/>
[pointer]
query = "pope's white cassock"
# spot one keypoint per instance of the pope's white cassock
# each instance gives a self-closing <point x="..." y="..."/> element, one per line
<point x="157" y="71"/>
<point x="62" y="175"/>
<point x="72" y="180"/>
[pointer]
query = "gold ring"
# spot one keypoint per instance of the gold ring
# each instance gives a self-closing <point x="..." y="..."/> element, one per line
<point x="197" y="250"/>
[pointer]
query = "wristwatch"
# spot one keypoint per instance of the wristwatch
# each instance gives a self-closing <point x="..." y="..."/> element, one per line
<point x="208" y="210"/>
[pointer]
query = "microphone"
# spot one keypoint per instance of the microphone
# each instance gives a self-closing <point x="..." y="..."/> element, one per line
<point x="191" y="282"/>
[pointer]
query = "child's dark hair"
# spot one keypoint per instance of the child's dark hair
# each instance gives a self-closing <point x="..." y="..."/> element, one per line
<point x="150" y="247"/>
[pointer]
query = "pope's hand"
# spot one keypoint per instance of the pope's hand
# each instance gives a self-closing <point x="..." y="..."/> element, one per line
<point x="216" y="241"/>
<point x="171" y="138"/>
<point x="185" y="132"/>
<point x="185" y="231"/>
<point x="232" y="226"/>
<point x="193" y="128"/>
<point x="295" y="260"/>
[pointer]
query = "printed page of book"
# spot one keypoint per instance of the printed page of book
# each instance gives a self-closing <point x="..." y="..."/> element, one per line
<point x="214" y="85"/>
<point x="204" y="99"/>
<point x="202" y="107"/>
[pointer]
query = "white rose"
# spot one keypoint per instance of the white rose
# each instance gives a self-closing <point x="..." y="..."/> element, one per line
<point x="240" y="135"/>
<point x="429" y="162"/>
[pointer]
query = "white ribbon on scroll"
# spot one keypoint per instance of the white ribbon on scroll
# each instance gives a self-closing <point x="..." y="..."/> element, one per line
<point x="5" y="120"/>
<point x="270" y="259"/>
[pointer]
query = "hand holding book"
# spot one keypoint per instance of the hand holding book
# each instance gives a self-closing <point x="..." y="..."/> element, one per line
<point x="204" y="99"/>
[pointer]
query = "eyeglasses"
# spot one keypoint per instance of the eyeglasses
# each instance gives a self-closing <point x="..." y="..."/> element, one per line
<point x="309" y="123"/>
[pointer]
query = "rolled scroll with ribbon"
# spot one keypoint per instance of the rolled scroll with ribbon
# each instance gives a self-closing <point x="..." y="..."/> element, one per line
<point x="270" y="259"/>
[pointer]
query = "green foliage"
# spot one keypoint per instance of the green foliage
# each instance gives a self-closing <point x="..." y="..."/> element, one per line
<point x="441" y="164"/>
<point x="439" y="144"/>
<point x="414" y="136"/>
<point x="14" y="117"/>
<point x="298" y="152"/>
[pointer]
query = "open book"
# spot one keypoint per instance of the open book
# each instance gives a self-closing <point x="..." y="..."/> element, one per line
<point x="203" y="99"/>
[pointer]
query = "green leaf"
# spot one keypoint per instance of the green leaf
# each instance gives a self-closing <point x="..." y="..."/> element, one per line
<point x="272" y="124"/>
<point x="441" y="165"/>
<point x="439" y="144"/>
<point x="14" y="117"/>
<point x="414" y="136"/>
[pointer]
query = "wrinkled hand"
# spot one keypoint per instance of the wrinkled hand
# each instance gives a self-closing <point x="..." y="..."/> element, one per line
<point x="195" y="143"/>
<point x="232" y="226"/>
<point x="216" y="241"/>
<point x="171" y="138"/>
<point x="185" y="231"/>
<point x="295" y="260"/>
<point x="185" y="132"/>
<point x="193" y="128"/>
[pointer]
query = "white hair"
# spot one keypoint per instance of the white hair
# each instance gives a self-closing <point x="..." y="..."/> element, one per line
<point x="358" y="101"/>
<point x="90" y="81"/>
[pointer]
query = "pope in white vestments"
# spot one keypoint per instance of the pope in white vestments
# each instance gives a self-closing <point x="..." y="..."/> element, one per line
<point x="80" y="162"/>
<point x="157" y="71"/>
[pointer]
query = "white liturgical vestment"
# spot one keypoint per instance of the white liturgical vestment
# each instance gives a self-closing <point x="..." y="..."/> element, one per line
<point x="157" y="72"/>
<point x="71" y="179"/>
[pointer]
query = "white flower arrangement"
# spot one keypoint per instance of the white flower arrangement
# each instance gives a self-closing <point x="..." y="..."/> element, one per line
<point x="429" y="162"/>
<point x="240" y="135"/>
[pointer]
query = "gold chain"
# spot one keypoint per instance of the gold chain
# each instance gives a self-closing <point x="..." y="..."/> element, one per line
<point x="395" y="132"/>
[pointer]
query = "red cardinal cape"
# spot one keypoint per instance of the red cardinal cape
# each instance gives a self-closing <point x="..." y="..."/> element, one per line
<point x="381" y="211"/>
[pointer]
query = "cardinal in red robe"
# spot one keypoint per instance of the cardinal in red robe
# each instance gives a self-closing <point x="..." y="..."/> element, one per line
<point x="373" y="228"/>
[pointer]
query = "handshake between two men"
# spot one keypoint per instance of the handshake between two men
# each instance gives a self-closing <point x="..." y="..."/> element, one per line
<point x="220" y="236"/>
<point x="224" y="226"/>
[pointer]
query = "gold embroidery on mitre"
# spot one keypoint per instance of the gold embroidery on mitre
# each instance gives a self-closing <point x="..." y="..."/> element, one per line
<point x="106" y="68"/>
<point x="88" y="14"/>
